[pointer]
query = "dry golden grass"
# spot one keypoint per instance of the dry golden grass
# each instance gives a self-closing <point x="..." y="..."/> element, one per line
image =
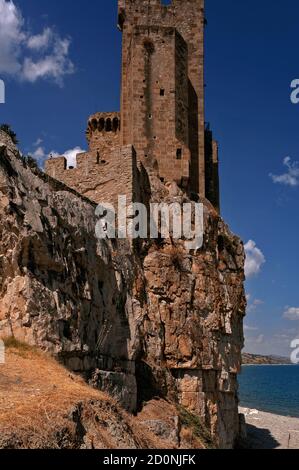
<point x="36" y="393"/>
<point x="37" y="396"/>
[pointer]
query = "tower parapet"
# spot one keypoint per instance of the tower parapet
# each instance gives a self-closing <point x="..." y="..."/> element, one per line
<point x="162" y="99"/>
<point x="103" y="131"/>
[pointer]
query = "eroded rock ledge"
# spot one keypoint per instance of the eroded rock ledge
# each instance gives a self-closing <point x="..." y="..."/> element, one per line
<point x="137" y="321"/>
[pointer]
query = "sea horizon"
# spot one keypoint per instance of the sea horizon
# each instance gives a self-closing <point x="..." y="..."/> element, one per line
<point x="271" y="388"/>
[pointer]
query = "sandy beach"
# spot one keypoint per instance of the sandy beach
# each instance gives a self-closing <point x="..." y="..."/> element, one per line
<point x="270" y="431"/>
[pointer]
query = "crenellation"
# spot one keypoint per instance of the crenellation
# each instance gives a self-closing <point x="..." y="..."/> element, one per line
<point x="55" y="167"/>
<point x="162" y="104"/>
<point x="116" y="173"/>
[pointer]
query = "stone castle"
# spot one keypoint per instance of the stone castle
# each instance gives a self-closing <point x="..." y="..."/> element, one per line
<point x="146" y="320"/>
<point x="161" y="123"/>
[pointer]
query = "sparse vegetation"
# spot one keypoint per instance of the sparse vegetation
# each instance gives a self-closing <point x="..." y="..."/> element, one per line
<point x="45" y="406"/>
<point x="8" y="130"/>
<point x="193" y="428"/>
<point x="21" y="348"/>
<point x="30" y="161"/>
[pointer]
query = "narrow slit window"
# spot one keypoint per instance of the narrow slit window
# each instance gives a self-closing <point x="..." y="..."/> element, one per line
<point x="179" y="154"/>
<point x="162" y="92"/>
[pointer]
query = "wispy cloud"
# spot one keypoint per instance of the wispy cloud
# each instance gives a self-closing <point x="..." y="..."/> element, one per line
<point x="290" y="177"/>
<point x="38" y="142"/>
<point x="254" y="259"/>
<point x="253" y="306"/>
<point x="31" y="57"/>
<point x="256" y="340"/>
<point x="40" y="41"/>
<point x="291" y="313"/>
<point x="250" y="328"/>
<point x="40" y="154"/>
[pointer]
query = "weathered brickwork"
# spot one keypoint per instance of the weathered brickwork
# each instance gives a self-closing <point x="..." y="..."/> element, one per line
<point x="101" y="178"/>
<point x="103" y="132"/>
<point x="187" y="18"/>
<point x="162" y="106"/>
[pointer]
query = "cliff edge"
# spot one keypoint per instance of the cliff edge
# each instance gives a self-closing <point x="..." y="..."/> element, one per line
<point x="138" y="321"/>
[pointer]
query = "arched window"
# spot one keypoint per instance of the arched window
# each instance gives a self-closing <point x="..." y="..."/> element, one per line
<point x="108" y="126"/>
<point x="115" y="124"/>
<point x="94" y="124"/>
<point x="101" y="124"/>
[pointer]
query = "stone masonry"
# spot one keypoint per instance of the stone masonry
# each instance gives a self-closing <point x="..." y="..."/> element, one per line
<point x="162" y="109"/>
<point x="144" y="321"/>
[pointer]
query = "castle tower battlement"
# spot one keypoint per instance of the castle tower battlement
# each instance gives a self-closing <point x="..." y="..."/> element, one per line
<point x="162" y="101"/>
<point x="103" y="132"/>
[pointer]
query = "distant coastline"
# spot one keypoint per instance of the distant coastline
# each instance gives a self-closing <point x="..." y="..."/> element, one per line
<point x="257" y="359"/>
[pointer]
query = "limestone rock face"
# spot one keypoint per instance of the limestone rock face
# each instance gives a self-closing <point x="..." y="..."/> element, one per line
<point x="138" y="320"/>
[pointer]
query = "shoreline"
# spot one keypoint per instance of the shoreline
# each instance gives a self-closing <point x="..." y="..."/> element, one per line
<point x="270" y="430"/>
<point x="250" y="365"/>
<point x="273" y="412"/>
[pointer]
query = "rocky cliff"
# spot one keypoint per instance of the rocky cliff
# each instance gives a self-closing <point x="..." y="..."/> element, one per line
<point x="137" y="320"/>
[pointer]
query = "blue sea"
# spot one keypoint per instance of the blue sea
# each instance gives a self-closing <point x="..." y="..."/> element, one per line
<point x="270" y="388"/>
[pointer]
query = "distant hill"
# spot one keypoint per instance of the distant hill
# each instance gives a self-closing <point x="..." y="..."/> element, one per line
<point x="258" y="359"/>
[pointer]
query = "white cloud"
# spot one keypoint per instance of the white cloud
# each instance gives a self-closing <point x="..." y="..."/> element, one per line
<point x="31" y="57"/>
<point x="53" y="66"/>
<point x="250" y="328"/>
<point x="11" y="37"/>
<point x="39" y="154"/>
<point x="254" y="259"/>
<point x="70" y="155"/>
<point x="291" y="313"/>
<point x="40" y="41"/>
<point x="290" y="177"/>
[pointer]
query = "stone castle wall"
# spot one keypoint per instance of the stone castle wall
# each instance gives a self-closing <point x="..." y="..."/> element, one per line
<point x="100" y="176"/>
<point x="162" y="107"/>
<point x="158" y="121"/>
<point x="103" y="132"/>
<point x="140" y="73"/>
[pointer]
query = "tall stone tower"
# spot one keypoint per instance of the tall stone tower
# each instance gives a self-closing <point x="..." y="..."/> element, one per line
<point x="161" y="121"/>
<point x="162" y="104"/>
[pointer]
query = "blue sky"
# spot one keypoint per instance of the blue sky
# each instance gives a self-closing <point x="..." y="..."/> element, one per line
<point x="61" y="62"/>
